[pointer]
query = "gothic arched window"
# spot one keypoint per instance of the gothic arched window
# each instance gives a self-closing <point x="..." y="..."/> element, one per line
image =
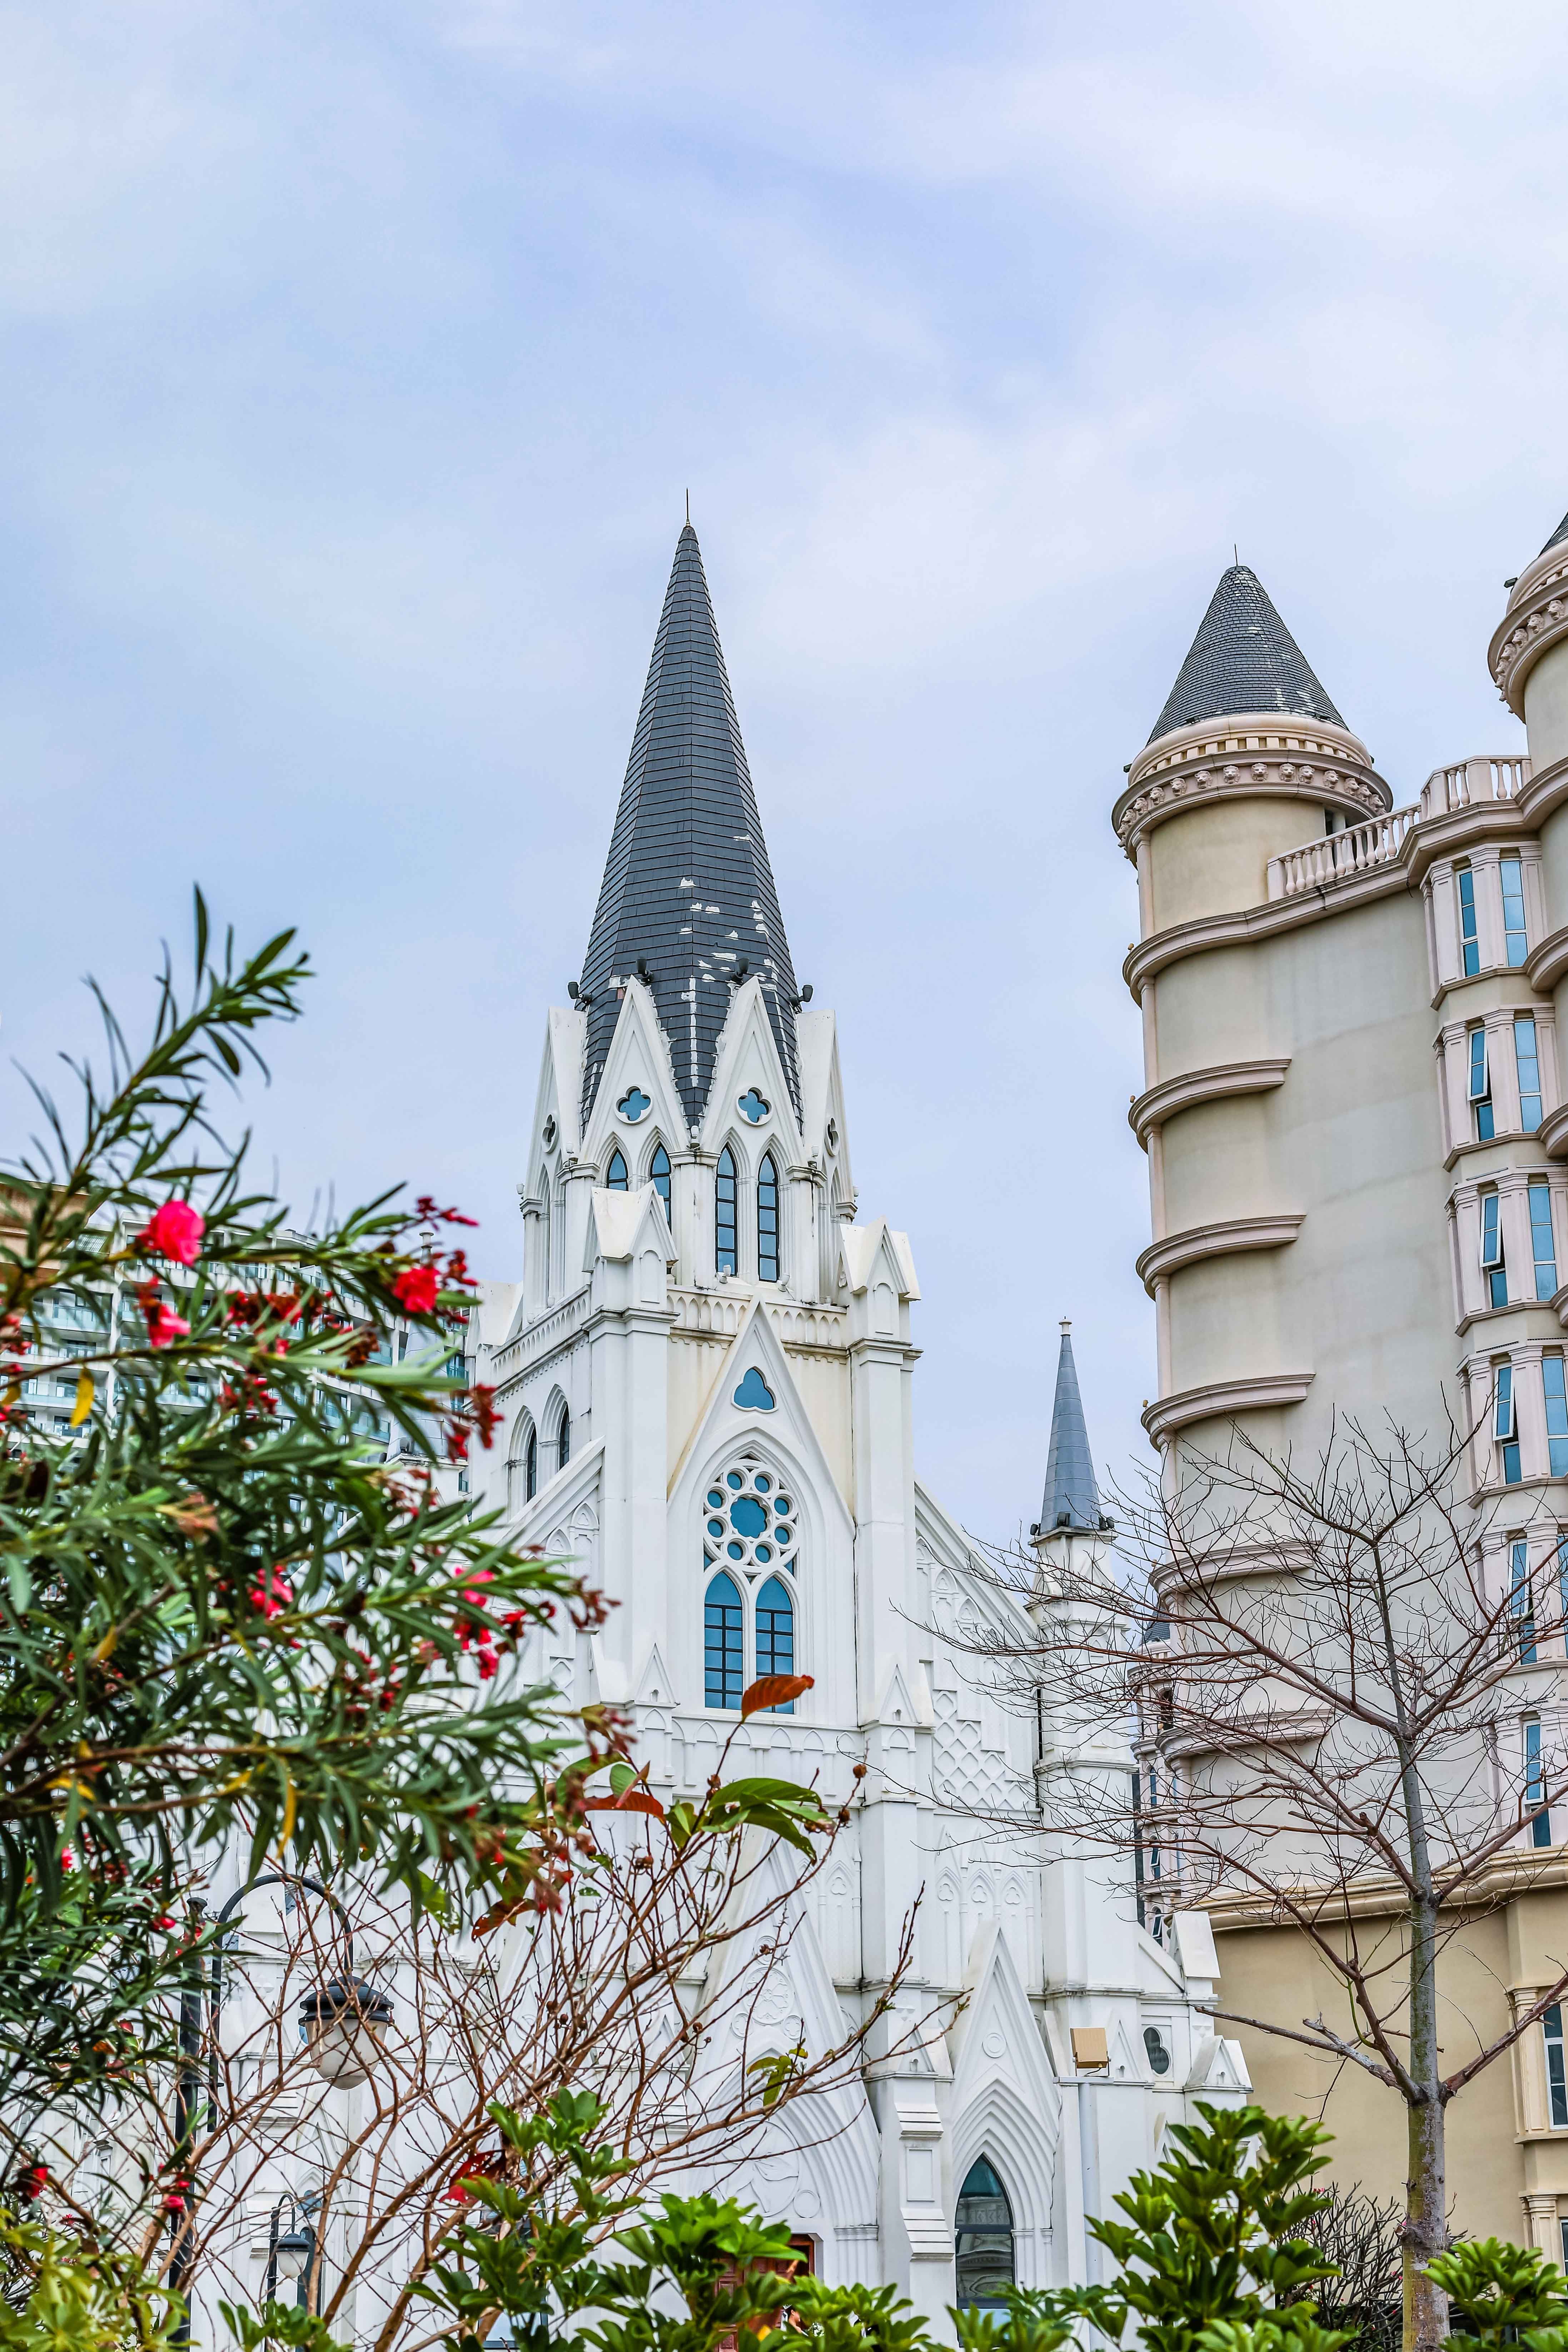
<point x="615" y="1174"/>
<point x="531" y="1467"/>
<point x="724" y="1258"/>
<point x="564" y="1439"/>
<point x="723" y="1671"/>
<point x="776" y="1634"/>
<point x="767" y="1220"/>
<point x="985" y="2247"/>
<point x="658" y="1174"/>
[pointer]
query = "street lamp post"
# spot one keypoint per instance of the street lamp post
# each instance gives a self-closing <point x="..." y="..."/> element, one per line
<point x="340" y="2023"/>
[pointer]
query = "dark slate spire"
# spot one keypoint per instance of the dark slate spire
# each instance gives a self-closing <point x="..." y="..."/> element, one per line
<point x="1072" y="1498"/>
<point x="688" y="888"/>
<point x="1243" y="658"/>
<point x="1558" y="536"/>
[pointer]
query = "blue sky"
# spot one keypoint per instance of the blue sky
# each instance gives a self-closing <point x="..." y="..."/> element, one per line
<point x="356" y="361"/>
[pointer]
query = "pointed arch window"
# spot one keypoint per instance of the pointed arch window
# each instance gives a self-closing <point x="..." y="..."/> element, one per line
<point x="531" y="1467"/>
<point x="724" y="1255"/>
<point x="616" y="1179"/>
<point x="984" y="2246"/>
<point x="767" y="1220"/>
<point x="776" y="1634"/>
<point x="722" y="1672"/>
<point x="564" y="1439"/>
<point x="659" y="1174"/>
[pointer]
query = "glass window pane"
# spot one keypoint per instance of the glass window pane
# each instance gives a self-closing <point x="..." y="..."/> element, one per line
<point x="1472" y="959"/>
<point x="1528" y="1059"/>
<point x="722" y="1677"/>
<point x="659" y="1170"/>
<point x="767" y="1221"/>
<point x="984" y="2238"/>
<point x="776" y="1634"/>
<point x="1516" y="944"/>
<point x="724" y="1255"/>
<point x="615" y="1174"/>
<point x="1522" y="1601"/>
<point x="1556" y="2076"/>
<point x="1543" y="1246"/>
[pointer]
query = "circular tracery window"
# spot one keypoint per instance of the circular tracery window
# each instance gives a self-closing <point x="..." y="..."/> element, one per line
<point x="750" y="1523"/>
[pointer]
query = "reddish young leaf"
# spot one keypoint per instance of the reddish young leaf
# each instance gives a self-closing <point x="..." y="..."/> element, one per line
<point x="630" y="1801"/>
<point x="772" y="1690"/>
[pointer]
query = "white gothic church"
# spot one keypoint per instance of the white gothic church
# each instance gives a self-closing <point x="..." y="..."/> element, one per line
<point x="707" y="1375"/>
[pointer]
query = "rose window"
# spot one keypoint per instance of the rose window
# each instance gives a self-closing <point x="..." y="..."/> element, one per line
<point x="750" y="1527"/>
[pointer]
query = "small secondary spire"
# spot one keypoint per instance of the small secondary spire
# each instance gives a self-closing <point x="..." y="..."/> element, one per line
<point x="1072" y="1498"/>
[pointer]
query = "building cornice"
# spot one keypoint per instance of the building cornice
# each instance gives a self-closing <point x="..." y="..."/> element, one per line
<point x="1536" y="618"/>
<point x="1543" y="793"/>
<point x="1508" y="1874"/>
<point x="1545" y="964"/>
<point x="1252" y="755"/>
<point x="1552" y="1133"/>
<point x="1151" y="955"/>
<point x="1225" y="1238"/>
<point x="1150" y="1110"/>
<point x="1221" y="1400"/>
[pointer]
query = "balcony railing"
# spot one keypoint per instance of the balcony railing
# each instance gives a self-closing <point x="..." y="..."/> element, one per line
<point x="1501" y="778"/>
<point x="1333" y="857"/>
<point x="1336" y="856"/>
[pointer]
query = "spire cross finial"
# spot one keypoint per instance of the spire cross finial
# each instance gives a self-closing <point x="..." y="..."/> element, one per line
<point x="689" y="506"/>
<point x="1067" y="1324"/>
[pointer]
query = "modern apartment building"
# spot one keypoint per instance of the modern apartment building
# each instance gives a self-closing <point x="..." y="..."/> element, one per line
<point x="1357" y="1128"/>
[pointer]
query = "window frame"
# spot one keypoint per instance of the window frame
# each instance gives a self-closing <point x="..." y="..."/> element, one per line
<point x="1538" y="1199"/>
<point x="1539" y="1828"/>
<point x="1522" y="1599"/>
<point x="614" y="1183"/>
<point x="768" y="1175"/>
<point x="1556" y="2077"/>
<point x="1532" y="1094"/>
<point x="1554" y="1399"/>
<point x="1494" y="1262"/>
<point x="1479" y="1083"/>
<point x="1470" y="935"/>
<point x="1520" y="930"/>
<point x="723" y="1706"/>
<point x="727" y="1172"/>
<point x="661" y="1180"/>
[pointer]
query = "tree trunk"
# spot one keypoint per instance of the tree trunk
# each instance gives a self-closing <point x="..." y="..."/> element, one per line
<point x="1425" y="2230"/>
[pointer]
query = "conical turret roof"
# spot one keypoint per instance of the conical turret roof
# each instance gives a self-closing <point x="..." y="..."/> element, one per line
<point x="688" y="897"/>
<point x="1243" y="658"/>
<point x="1558" y="536"/>
<point x="1072" y="1498"/>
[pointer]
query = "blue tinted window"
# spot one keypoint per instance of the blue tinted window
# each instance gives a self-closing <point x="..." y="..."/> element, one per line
<point x="983" y="2267"/>
<point x="634" y="1105"/>
<point x="747" y="1516"/>
<point x="1520" y="1600"/>
<point x="753" y="1106"/>
<point x="658" y="1171"/>
<point x="530" y="1465"/>
<point x="722" y="1675"/>
<point x="767" y="1220"/>
<point x="776" y="1635"/>
<point x="1491" y="1250"/>
<point x="1472" y="954"/>
<point x="1526" y="1055"/>
<point x="1516" y="946"/>
<point x="1480" y="1085"/>
<point x="1543" y="1249"/>
<point x="616" y="1173"/>
<point x="1556" y="2079"/>
<point x="563" y="1442"/>
<point x="1557" y="1415"/>
<point x="724" y="1212"/>
<point x="1535" y="1786"/>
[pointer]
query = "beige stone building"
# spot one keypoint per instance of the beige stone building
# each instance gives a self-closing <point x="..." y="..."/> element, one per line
<point x="1356" y="1118"/>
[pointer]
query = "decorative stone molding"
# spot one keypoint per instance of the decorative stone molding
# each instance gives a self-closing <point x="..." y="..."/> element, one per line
<point x="1162" y="948"/>
<point x="1221" y="1400"/>
<point x="1552" y="1133"/>
<point x="1547" y="789"/>
<point x="1546" y="963"/>
<point x="1226" y="1238"/>
<point x="1536" y="618"/>
<point x="1251" y="756"/>
<point x="1161" y="1102"/>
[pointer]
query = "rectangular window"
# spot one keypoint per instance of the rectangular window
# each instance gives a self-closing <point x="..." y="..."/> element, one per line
<point x="1505" y="1428"/>
<point x="1515" y="945"/>
<point x="1480" y="1086"/>
<point x="1520" y="1600"/>
<point x="1138" y="1850"/>
<point x="1557" y="1415"/>
<point x="1535" y="1783"/>
<point x="1492" y="1264"/>
<point x="1468" y="942"/>
<point x="1556" y="2079"/>
<point x="1543" y="1248"/>
<point x="1527" y="1056"/>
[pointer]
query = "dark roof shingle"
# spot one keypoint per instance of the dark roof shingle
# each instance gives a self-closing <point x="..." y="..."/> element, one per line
<point x="688" y="887"/>
<point x="1243" y="658"/>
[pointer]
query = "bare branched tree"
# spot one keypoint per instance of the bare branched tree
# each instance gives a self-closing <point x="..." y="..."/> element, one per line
<point x="1335" y="1679"/>
<point x="344" y="2084"/>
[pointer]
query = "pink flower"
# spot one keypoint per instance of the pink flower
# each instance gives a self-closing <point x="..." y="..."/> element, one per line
<point x="163" y="1326"/>
<point x="271" y="1594"/>
<point x="417" y="1288"/>
<point x="176" y="1232"/>
<point x="489" y="1662"/>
